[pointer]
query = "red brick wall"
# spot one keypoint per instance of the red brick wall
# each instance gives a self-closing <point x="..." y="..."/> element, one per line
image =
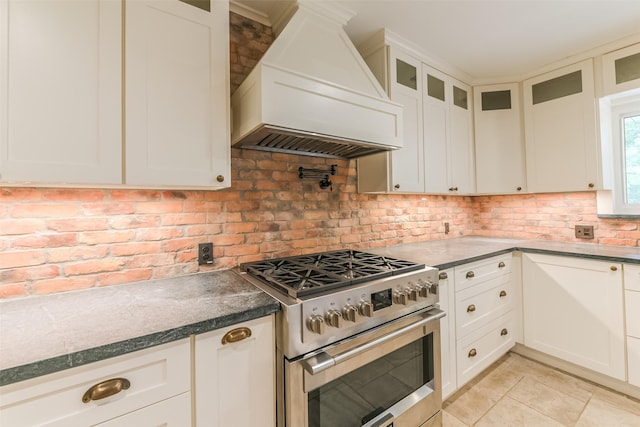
<point x="56" y="240"/>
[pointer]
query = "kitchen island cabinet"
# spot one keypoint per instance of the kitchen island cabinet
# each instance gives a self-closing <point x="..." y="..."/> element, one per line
<point x="69" y="120"/>
<point x="573" y="310"/>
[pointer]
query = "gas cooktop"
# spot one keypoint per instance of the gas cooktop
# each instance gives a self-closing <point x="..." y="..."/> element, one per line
<point x="305" y="275"/>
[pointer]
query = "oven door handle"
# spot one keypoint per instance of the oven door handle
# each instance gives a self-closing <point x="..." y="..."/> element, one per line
<point x="323" y="361"/>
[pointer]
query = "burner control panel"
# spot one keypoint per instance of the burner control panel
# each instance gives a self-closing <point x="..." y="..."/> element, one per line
<point x="343" y="313"/>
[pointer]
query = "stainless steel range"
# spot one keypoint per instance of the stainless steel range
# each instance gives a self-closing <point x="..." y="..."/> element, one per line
<point x="357" y="339"/>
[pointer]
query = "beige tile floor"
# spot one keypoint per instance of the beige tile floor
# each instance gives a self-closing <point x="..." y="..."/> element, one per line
<point x="517" y="391"/>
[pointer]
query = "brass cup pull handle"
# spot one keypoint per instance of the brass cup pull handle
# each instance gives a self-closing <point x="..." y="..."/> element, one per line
<point x="503" y="294"/>
<point x="471" y="308"/>
<point x="502" y="264"/>
<point x="236" y="335"/>
<point x="472" y="353"/>
<point x="470" y="274"/>
<point x="105" y="389"/>
<point x="614" y="268"/>
<point x="504" y="332"/>
<point x="443" y="276"/>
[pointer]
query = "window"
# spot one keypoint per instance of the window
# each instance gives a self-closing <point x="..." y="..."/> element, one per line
<point x="620" y="126"/>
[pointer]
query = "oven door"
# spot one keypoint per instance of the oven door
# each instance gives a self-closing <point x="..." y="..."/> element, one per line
<point x="389" y="376"/>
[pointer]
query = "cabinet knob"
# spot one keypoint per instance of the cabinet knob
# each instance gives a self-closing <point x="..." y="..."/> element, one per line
<point x="472" y="353"/>
<point x="504" y="332"/>
<point x="591" y="185"/>
<point x="470" y="274"/>
<point x="105" y="389"/>
<point x="518" y="188"/>
<point x="503" y="294"/>
<point x="220" y="178"/>
<point x="471" y="308"/>
<point x="502" y="264"/>
<point x="453" y="188"/>
<point x="443" y="276"/>
<point x="614" y="268"/>
<point x="236" y="335"/>
<point x="397" y="186"/>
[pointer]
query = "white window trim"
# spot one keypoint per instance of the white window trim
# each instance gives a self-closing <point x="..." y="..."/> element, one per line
<point x="612" y="110"/>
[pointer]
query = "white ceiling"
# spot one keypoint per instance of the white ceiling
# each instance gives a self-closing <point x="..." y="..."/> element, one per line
<point x="491" y="40"/>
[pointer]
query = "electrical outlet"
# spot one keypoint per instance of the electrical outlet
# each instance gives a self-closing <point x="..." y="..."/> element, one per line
<point x="446" y="228"/>
<point x="584" y="232"/>
<point x="205" y="253"/>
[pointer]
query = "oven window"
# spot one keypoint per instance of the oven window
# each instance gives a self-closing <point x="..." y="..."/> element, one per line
<point x="358" y="397"/>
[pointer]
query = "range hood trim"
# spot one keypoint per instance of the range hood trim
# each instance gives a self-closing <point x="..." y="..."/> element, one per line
<point x="301" y="101"/>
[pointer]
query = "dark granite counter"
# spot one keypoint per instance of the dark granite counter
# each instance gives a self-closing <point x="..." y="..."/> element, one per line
<point x="45" y="334"/>
<point x="448" y="253"/>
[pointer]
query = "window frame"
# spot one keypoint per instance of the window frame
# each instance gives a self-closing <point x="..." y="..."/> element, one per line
<point x="613" y="110"/>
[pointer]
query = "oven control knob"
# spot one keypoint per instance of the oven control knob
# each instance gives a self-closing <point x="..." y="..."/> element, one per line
<point x="401" y="297"/>
<point x="365" y="308"/>
<point x="350" y="313"/>
<point x="414" y="293"/>
<point x="315" y="323"/>
<point x="433" y="288"/>
<point x="334" y="318"/>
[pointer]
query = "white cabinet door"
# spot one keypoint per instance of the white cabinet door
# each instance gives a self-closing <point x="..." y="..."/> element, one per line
<point x="448" y="333"/>
<point x="447" y="133"/>
<point x="621" y="70"/>
<point x="573" y="310"/>
<point x="177" y="91"/>
<point x="560" y="130"/>
<point x="407" y="163"/>
<point x="60" y="91"/>
<point x="498" y="139"/>
<point x="235" y="382"/>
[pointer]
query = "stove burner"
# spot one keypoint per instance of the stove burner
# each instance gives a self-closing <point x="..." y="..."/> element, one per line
<point x="305" y="275"/>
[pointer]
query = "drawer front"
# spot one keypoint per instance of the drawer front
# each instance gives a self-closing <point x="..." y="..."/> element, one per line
<point x="471" y="274"/>
<point x="633" y="358"/>
<point x="174" y="412"/>
<point x="478" y="351"/>
<point x="154" y="374"/>
<point x="632" y="277"/>
<point x="632" y="302"/>
<point x="478" y="305"/>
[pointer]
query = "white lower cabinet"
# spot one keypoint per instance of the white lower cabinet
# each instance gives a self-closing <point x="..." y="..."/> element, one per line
<point x="235" y="375"/>
<point x="573" y="311"/>
<point x="632" y="303"/>
<point x="485" y="325"/>
<point x="447" y="333"/>
<point x="154" y="384"/>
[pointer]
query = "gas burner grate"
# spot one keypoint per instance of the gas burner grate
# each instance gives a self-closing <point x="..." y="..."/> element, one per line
<point x="305" y="275"/>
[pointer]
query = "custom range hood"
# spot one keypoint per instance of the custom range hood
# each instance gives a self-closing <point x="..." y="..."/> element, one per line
<point x="313" y="94"/>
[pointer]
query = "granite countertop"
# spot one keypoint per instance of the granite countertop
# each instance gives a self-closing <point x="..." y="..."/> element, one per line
<point x="45" y="334"/>
<point x="448" y="253"/>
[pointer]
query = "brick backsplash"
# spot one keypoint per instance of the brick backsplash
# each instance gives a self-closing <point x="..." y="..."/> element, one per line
<point x="56" y="240"/>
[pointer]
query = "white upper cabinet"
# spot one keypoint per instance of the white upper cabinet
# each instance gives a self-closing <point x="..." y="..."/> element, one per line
<point x="177" y="118"/>
<point x="60" y="92"/>
<point x="447" y="133"/>
<point x="498" y="139"/>
<point x="621" y="70"/>
<point x="560" y="130"/>
<point x="399" y="170"/>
